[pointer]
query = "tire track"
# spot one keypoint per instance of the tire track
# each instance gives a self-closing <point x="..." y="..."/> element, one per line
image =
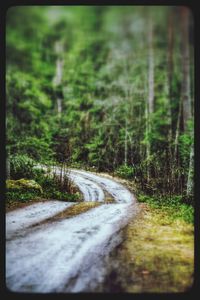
<point x="69" y="255"/>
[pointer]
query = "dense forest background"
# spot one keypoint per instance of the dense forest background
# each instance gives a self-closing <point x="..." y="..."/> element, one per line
<point x="108" y="88"/>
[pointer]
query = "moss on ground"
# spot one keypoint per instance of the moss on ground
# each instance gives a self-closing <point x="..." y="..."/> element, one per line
<point x="157" y="254"/>
<point x="23" y="184"/>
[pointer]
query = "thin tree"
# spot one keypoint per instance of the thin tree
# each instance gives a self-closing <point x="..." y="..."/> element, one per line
<point x="185" y="108"/>
<point x="186" y="92"/>
<point x="150" y="98"/>
<point x="58" y="74"/>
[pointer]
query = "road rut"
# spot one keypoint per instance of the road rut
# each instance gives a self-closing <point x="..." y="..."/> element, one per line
<point x="67" y="255"/>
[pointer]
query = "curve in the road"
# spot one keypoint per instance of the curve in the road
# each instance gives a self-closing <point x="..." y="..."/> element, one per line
<point x="118" y="191"/>
<point x="90" y="190"/>
<point x="68" y="255"/>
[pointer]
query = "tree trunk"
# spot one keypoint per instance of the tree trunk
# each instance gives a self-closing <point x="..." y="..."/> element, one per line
<point x="190" y="172"/>
<point x="185" y="101"/>
<point x="147" y="143"/>
<point x="150" y="99"/>
<point x="170" y="69"/>
<point x="125" y="144"/>
<point x="58" y="74"/>
<point x="59" y="106"/>
<point x="151" y="68"/>
<point x="186" y="98"/>
<point x="177" y="129"/>
<point x="8" y="165"/>
<point x="186" y="88"/>
<point x="170" y="98"/>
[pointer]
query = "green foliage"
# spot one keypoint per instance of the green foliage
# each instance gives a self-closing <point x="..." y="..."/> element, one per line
<point x="173" y="205"/>
<point x="38" y="149"/>
<point x="61" y="146"/>
<point x="48" y="187"/>
<point x="185" y="142"/>
<point x="22" y="190"/>
<point x="22" y="166"/>
<point x="125" y="171"/>
<point x="20" y="196"/>
<point x="94" y="148"/>
<point x="25" y="97"/>
<point x="103" y="91"/>
<point x="23" y="184"/>
<point x="54" y="189"/>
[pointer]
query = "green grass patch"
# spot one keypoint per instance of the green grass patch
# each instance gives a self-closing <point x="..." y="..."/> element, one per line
<point x="173" y="206"/>
<point x="20" y="196"/>
<point x="23" y="185"/>
<point x="24" y="190"/>
<point x="157" y="255"/>
<point x="125" y="171"/>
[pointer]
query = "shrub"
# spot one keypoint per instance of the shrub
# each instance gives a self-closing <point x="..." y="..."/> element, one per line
<point x="125" y="171"/>
<point x="55" y="189"/>
<point x="20" y="196"/>
<point x="21" y="166"/>
<point x="37" y="148"/>
<point x="24" y="185"/>
<point x="22" y="190"/>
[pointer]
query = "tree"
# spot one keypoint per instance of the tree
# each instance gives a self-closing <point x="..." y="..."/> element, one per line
<point x="104" y="87"/>
<point x="150" y="99"/>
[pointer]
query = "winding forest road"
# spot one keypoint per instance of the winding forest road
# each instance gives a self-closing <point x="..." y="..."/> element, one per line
<point x="67" y="255"/>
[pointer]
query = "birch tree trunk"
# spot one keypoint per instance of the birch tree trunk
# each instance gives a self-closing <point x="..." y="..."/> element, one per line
<point x="148" y="143"/>
<point x="170" y="69"/>
<point x="150" y="99"/>
<point x="186" y="88"/>
<point x="177" y="129"/>
<point x="151" y="68"/>
<point x="186" y="94"/>
<point x="125" y="144"/>
<point x="170" y="97"/>
<point x="58" y="74"/>
<point x="190" y="173"/>
<point x="185" y="111"/>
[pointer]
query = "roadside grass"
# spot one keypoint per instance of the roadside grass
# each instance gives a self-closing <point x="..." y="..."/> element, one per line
<point x="50" y="189"/>
<point x="157" y="254"/>
<point x="172" y="206"/>
<point x="16" y="198"/>
<point x="20" y="197"/>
